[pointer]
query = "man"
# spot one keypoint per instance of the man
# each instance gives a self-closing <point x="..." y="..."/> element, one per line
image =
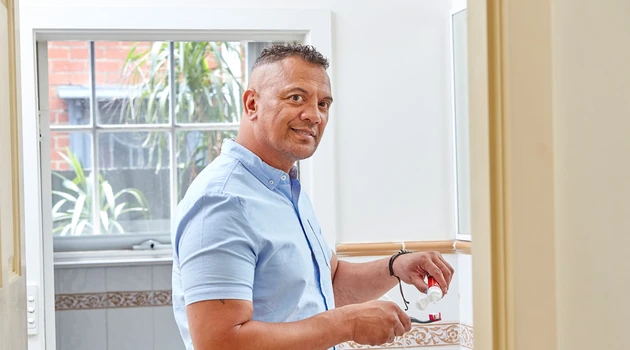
<point x="251" y="269"/>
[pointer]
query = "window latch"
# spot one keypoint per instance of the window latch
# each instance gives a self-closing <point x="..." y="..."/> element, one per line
<point x="151" y="244"/>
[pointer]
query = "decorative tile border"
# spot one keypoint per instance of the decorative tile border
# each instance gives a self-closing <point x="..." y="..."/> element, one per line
<point x="426" y="336"/>
<point x="466" y="336"/>
<point x="109" y="300"/>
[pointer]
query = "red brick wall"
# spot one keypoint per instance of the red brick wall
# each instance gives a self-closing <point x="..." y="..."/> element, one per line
<point x="69" y="64"/>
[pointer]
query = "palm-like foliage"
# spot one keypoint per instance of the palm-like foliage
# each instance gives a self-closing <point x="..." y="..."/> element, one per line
<point x="72" y="212"/>
<point x="207" y="90"/>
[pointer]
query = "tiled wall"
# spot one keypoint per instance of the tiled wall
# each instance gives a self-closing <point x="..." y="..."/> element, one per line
<point x="119" y="308"/>
<point x="464" y="264"/>
<point x="455" y="331"/>
<point x="115" y="308"/>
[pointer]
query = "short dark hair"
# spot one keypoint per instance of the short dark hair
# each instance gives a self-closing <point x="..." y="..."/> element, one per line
<point x="278" y="52"/>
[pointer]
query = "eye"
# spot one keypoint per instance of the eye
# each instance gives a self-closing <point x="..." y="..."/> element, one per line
<point x="324" y="104"/>
<point x="297" y="98"/>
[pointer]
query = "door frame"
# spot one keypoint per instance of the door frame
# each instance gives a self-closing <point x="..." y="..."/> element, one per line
<point x="13" y="270"/>
<point x="512" y="180"/>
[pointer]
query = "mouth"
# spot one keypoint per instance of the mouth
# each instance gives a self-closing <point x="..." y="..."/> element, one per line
<point x="304" y="132"/>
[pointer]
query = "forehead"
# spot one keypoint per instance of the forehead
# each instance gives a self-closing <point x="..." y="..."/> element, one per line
<point x="294" y="71"/>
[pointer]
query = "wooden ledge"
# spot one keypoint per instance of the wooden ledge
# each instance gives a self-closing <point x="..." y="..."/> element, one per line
<point x="388" y="248"/>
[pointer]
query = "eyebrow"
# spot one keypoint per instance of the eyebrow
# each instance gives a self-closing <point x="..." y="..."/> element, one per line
<point x="329" y="98"/>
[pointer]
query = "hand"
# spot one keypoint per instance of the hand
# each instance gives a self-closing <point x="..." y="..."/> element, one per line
<point x="413" y="268"/>
<point x="377" y="322"/>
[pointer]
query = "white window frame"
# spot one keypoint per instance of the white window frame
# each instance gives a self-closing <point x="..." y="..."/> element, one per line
<point x="458" y="6"/>
<point x="180" y="23"/>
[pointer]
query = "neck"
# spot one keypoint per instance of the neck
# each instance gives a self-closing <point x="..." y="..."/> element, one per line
<point x="269" y="156"/>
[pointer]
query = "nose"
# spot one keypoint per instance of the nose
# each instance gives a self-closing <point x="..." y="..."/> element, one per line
<point x="312" y="113"/>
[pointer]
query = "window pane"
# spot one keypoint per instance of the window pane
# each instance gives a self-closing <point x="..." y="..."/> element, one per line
<point x="69" y="82"/>
<point x="195" y="150"/>
<point x="135" y="171"/>
<point x="210" y="81"/>
<point x="132" y="85"/>
<point x="71" y="166"/>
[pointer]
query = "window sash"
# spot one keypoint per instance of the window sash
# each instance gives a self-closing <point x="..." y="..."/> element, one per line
<point x="107" y="242"/>
<point x="97" y="240"/>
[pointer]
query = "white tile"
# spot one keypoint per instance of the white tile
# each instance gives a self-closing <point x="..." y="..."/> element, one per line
<point x="80" y="280"/>
<point x="82" y="329"/>
<point x="128" y="278"/>
<point x="465" y="290"/>
<point x="167" y="335"/>
<point x="130" y="329"/>
<point x="162" y="277"/>
<point x="56" y="283"/>
<point x="58" y="330"/>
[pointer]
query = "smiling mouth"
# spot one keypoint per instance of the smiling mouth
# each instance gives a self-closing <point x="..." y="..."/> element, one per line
<point x="304" y="132"/>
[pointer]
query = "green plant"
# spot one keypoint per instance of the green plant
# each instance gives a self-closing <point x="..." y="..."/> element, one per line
<point x="207" y="91"/>
<point x="72" y="212"/>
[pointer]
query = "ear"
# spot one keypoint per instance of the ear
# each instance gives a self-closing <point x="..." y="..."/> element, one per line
<point x="249" y="104"/>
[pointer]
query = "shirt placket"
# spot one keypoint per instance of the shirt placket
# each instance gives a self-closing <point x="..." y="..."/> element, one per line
<point x="316" y="253"/>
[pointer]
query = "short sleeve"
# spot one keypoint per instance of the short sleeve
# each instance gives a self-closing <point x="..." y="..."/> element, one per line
<point x="216" y="250"/>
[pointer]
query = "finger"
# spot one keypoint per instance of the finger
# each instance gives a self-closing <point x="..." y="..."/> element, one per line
<point x="419" y="283"/>
<point x="399" y="329"/>
<point x="437" y="273"/>
<point x="391" y="338"/>
<point x="446" y="272"/>
<point x="450" y="268"/>
<point x="404" y="319"/>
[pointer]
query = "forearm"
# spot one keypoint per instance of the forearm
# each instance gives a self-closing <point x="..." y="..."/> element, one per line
<point x="319" y="332"/>
<point x="360" y="282"/>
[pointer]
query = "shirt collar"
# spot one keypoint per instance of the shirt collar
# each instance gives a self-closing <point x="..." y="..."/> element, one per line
<point x="265" y="173"/>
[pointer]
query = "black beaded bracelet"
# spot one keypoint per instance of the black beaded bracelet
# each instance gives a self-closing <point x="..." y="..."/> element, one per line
<point x="391" y="273"/>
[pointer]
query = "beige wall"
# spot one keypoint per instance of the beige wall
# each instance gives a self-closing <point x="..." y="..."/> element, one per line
<point x="551" y="186"/>
<point x="591" y="74"/>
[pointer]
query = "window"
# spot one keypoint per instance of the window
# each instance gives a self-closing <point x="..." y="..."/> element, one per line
<point x="131" y="126"/>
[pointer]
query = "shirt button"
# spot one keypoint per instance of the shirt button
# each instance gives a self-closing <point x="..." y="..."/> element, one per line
<point x="271" y="182"/>
<point x="284" y="177"/>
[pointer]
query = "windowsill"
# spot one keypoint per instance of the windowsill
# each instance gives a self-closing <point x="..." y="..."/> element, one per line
<point x="112" y="258"/>
<point x="464" y="237"/>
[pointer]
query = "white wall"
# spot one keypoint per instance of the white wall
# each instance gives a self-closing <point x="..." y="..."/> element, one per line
<point x="391" y="65"/>
<point x="458" y="5"/>
<point x="591" y="55"/>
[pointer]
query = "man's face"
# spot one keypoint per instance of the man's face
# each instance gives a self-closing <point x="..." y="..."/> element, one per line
<point x="292" y="108"/>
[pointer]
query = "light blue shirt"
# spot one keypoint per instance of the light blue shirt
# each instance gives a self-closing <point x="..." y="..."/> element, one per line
<point x="245" y="230"/>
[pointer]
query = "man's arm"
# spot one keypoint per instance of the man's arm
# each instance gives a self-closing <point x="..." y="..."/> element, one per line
<point x="359" y="282"/>
<point x="355" y="283"/>
<point x="216" y="252"/>
<point x="227" y="324"/>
